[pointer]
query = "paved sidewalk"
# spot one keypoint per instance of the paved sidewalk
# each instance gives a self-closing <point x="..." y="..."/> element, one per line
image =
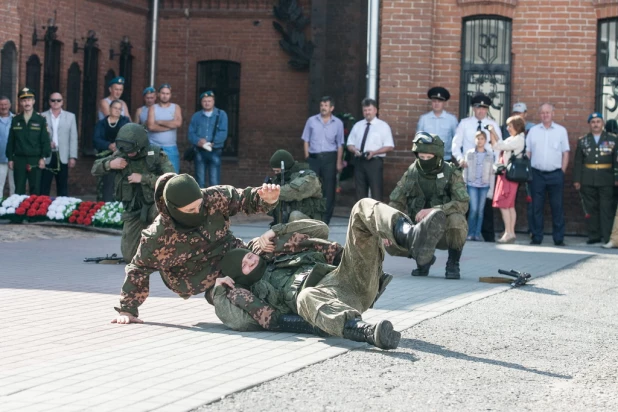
<point x="59" y="351"/>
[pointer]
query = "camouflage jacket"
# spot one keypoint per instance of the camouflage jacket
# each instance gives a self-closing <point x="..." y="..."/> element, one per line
<point x="297" y="255"/>
<point x="450" y="195"/>
<point x="135" y="195"/>
<point x="301" y="191"/>
<point x="187" y="259"/>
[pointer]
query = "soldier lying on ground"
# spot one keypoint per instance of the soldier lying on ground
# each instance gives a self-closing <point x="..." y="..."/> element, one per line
<point x="327" y="284"/>
<point x="188" y="238"/>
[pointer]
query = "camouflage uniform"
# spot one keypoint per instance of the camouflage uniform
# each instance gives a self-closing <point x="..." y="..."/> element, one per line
<point x="137" y="198"/>
<point x="340" y="294"/>
<point x="301" y="194"/>
<point x="442" y="188"/>
<point x="187" y="259"/>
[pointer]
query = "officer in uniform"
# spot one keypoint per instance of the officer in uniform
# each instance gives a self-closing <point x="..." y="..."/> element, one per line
<point x="594" y="176"/>
<point x="431" y="183"/>
<point x="301" y="190"/>
<point x="28" y="145"/>
<point x="439" y="121"/>
<point x="327" y="284"/>
<point x="136" y="165"/>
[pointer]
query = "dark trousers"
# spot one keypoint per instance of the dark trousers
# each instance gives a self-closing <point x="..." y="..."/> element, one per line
<point x="325" y="166"/>
<point x="368" y="174"/>
<point x="21" y="164"/>
<point x="62" y="177"/>
<point x="599" y="204"/>
<point x="551" y="183"/>
<point x="487" y="229"/>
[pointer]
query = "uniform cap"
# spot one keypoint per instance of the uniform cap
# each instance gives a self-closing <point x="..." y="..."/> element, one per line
<point x="481" y="100"/>
<point x="439" y="93"/>
<point x="25" y="92"/>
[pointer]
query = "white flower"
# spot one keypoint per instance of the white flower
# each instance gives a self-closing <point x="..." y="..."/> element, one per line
<point x="10" y="210"/>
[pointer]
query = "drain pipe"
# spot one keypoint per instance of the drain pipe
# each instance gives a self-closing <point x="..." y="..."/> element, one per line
<point x="153" y="46"/>
<point x="372" y="48"/>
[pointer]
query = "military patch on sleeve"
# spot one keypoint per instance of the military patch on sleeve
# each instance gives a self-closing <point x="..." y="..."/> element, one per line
<point x="151" y="153"/>
<point x="440" y="175"/>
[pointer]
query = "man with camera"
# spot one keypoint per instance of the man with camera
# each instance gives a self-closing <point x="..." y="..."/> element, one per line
<point x="370" y="140"/>
<point x="464" y="141"/>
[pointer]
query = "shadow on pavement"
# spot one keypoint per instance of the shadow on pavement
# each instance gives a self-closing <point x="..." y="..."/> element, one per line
<point x="422" y="346"/>
<point x="544" y="291"/>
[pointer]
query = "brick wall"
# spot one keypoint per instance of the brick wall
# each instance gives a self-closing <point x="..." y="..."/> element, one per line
<point x="553" y="46"/>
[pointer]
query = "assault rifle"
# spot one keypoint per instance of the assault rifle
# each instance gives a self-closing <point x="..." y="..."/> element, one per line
<point x="110" y="260"/>
<point x="520" y="277"/>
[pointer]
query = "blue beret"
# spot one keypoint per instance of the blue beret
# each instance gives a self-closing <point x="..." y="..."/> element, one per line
<point x="148" y="89"/>
<point x="116" y="80"/>
<point x="208" y="93"/>
<point x="595" y="115"/>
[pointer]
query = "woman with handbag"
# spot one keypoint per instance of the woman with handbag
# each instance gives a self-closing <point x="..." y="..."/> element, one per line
<point x="506" y="190"/>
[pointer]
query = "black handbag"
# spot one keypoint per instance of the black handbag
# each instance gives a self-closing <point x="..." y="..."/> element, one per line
<point x="519" y="169"/>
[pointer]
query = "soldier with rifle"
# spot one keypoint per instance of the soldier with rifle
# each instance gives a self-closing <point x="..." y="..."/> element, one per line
<point x="301" y="190"/>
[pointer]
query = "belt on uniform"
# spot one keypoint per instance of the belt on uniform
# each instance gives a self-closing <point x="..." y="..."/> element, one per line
<point x="597" y="167"/>
<point x="322" y="154"/>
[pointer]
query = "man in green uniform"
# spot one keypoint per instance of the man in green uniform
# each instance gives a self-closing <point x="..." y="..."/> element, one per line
<point x="28" y="145"/>
<point x="431" y="183"/>
<point x="595" y="174"/>
<point x="188" y="238"/>
<point x="136" y="165"/>
<point x="301" y="191"/>
<point x="328" y="285"/>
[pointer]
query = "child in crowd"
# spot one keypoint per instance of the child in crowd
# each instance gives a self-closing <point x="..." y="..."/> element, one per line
<point x="478" y="175"/>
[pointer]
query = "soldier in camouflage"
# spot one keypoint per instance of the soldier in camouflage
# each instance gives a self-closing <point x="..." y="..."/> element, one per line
<point x="328" y="285"/>
<point x="431" y="183"/>
<point x="188" y="238"/>
<point x="136" y="165"/>
<point x="301" y="190"/>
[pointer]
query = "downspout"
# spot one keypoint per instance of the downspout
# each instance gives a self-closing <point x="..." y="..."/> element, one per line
<point x="153" y="46"/>
<point x="372" y="48"/>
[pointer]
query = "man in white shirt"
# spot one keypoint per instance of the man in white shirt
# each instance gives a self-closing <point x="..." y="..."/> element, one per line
<point x="464" y="141"/>
<point x="63" y="139"/>
<point x="547" y="145"/>
<point x="5" y="125"/>
<point x="370" y="140"/>
<point x="439" y="121"/>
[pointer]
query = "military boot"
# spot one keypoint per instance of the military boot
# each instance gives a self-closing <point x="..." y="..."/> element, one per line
<point x="381" y="334"/>
<point x="421" y="239"/>
<point x="423" y="270"/>
<point x="452" y="264"/>
<point x="296" y="324"/>
<point x="385" y="279"/>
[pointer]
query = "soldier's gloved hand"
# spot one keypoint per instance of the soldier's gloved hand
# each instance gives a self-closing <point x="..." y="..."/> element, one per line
<point x="269" y="193"/>
<point x="226" y="281"/>
<point x="118" y="164"/>
<point x="266" y="242"/>
<point x="126" y="318"/>
<point x="135" y="178"/>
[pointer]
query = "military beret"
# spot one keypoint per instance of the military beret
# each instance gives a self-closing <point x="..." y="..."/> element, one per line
<point x="147" y="90"/>
<point x="165" y="86"/>
<point x="439" y="93"/>
<point x="595" y="115"/>
<point x="116" y="80"/>
<point x="25" y="92"/>
<point x="481" y="100"/>
<point x="208" y="93"/>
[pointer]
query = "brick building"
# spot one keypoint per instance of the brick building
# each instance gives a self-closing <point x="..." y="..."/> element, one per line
<point x="518" y="50"/>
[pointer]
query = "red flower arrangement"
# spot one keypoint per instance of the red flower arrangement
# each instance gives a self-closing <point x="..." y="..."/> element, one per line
<point x="34" y="207"/>
<point x="84" y="213"/>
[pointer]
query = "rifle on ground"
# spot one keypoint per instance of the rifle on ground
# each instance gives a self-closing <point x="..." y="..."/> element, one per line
<point x="520" y="277"/>
<point x="114" y="259"/>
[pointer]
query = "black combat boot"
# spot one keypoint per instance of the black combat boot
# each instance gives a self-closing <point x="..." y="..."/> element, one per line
<point x="423" y="270"/>
<point x="385" y="279"/>
<point x="296" y="324"/>
<point x="421" y="239"/>
<point x="452" y="264"/>
<point x="381" y="334"/>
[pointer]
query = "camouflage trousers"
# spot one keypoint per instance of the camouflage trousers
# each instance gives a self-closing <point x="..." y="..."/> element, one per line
<point x="349" y="290"/>
<point x="455" y="233"/>
<point x="132" y="231"/>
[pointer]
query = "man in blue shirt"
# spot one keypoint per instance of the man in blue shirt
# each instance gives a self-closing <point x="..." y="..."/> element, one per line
<point x="323" y="145"/>
<point x="208" y="132"/>
<point x="439" y="121"/>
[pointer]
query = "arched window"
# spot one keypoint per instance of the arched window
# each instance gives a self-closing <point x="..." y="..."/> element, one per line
<point x="74" y="80"/>
<point x="51" y="73"/>
<point x="89" y="97"/>
<point x="108" y="77"/>
<point x="607" y="69"/>
<point x="126" y="71"/>
<point x="8" y="71"/>
<point x="223" y="78"/>
<point x="486" y="64"/>
<point x="33" y="79"/>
